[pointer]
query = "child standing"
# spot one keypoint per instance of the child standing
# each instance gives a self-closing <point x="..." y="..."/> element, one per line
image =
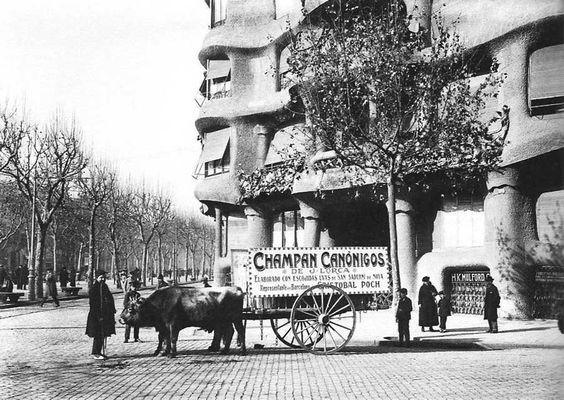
<point x="403" y="315"/>
<point x="444" y="310"/>
<point x="131" y="296"/>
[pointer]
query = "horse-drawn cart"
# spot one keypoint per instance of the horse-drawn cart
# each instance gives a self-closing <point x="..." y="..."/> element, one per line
<point x="311" y="295"/>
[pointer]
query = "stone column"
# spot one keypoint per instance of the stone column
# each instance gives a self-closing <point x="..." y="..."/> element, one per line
<point x="312" y="225"/>
<point x="325" y="239"/>
<point x="510" y="225"/>
<point x="259" y="228"/>
<point x="221" y="266"/>
<point x="406" y="244"/>
<point x="263" y="143"/>
<point x="218" y="245"/>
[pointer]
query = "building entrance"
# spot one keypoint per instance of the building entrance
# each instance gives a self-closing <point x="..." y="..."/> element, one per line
<point x="467" y="290"/>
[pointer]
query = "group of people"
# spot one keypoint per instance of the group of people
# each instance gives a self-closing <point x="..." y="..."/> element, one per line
<point x="17" y="277"/>
<point x="432" y="313"/>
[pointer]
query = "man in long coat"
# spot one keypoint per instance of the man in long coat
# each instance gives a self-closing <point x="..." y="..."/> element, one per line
<point x="101" y="322"/>
<point x="491" y="304"/>
<point x="427" y="306"/>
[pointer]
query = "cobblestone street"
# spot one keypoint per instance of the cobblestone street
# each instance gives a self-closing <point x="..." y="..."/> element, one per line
<point x="44" y="354"/>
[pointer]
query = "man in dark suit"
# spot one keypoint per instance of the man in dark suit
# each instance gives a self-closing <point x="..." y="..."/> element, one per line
<point x="491" y="304"/>
<point x="403" y="315"/>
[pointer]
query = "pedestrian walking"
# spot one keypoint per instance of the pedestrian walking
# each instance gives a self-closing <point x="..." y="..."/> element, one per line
<point x="50" y="289"/>
<point x="427" y="305"/>
<point x="63" y="277"/>
<point x="491" y="304"/>
<point x="403" y="315"/>
<point x="101" y="323"/>
<point x="444" y="310"/>
<point x="161" y="282"/>
<point x="131" y="296"/>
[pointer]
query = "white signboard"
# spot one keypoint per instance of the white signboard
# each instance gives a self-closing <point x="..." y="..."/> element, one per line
<point x="280" y="272"/>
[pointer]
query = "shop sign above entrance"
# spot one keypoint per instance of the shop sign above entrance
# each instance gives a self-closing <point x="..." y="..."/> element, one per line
<point x="282" y="272"/>
<point x="469" y="276"/>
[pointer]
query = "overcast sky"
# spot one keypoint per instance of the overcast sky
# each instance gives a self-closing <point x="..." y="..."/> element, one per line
<point x="127" y="70"/>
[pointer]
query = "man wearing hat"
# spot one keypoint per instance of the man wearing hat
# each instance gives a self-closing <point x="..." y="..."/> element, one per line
<point x="427" y="306"/>
<point x="101" y="322"/>
<point x="491" y="304"/>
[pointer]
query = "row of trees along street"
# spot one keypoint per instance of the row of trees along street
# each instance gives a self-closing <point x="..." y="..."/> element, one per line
<point x="58" y="204"/>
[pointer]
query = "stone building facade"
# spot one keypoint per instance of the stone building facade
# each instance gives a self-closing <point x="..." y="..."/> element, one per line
<point x="511" y="228"/>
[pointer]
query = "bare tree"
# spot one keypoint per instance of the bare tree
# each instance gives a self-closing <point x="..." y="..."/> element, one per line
<point x="43" y="164"/>
<point x="96" y="182"/>
<point x="148" y="211"/>
<point x="12" y="211"/>
<point x="119" y="225"/>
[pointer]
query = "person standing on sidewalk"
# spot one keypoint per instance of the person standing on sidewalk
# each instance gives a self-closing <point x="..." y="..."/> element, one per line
<point x="491" y="304"/>
<point x="101" y="323"/>
<point x="131" y="296"/>
<point x="444" y="310"/>
<point x="403" y="315"/>
<point x="427" y="305"/>
<point x="50" y="289"/>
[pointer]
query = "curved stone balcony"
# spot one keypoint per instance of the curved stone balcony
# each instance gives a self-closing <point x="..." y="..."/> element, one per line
<point x="218" y="112"/>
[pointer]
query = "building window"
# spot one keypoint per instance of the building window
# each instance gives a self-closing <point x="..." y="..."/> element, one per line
<point x="217" y="84"/>
<point x="460" y="223"/>
<point x="287" y="144"/>
<point x="285" y="7"/>
<point x="546" y="81"/>
<point x="218" y="12"/>
<point x="550" y="220"/>
<point x="215" y="157"/>
<point x="217" y="167"/>
<point x="283" y="68"/>
<point x="288" y="229"/>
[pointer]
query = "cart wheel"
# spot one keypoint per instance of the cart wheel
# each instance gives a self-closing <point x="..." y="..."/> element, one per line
<point x="323" y="319"/>
<point x="283" y="330"/>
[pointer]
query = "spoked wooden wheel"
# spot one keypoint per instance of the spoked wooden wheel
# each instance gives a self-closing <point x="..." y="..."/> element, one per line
<point x="282" y="328"/>
<point x="323" y="319"/>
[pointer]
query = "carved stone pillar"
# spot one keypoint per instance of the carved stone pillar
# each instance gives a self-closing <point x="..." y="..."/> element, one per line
<point x="406" y="244"/>
<point x="263" y="139"/>
<point x="510" y="226"/>
<point x="259" y="228"/>
<point x="221" y="267"/>
<point x="312" y="225"/>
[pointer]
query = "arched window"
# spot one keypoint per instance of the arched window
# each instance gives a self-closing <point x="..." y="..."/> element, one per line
<point x="546" y="80"/>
